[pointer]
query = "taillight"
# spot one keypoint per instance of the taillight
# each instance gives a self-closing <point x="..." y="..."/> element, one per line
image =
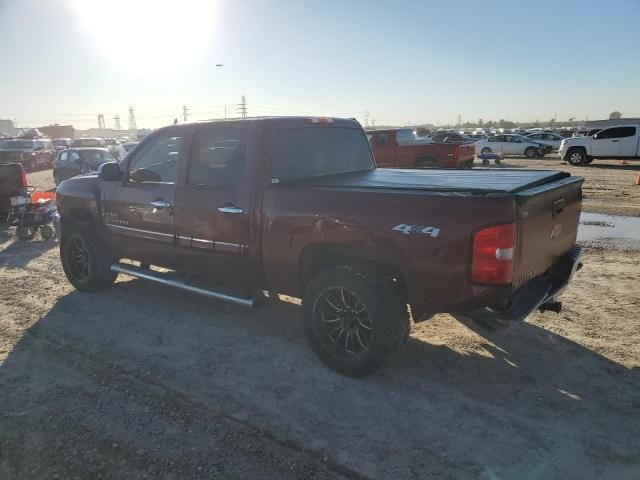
<point x="23" y="178"/>
<point x="493" y="254"/>
<point x="320" y="120"/>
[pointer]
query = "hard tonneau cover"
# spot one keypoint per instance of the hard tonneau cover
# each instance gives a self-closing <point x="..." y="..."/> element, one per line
<point x="472" y="181"/>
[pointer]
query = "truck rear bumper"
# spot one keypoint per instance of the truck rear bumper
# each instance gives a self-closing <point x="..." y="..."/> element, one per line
<point x="541" y="292"/>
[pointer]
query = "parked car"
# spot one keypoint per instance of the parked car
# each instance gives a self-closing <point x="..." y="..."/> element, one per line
<point x="297" y="206"/>
<point x="30" y="152"/>
<point x="475" y="136"/>
<point x="552" y="139"/>
<point x="13" y="183"/>
<point x="123" y="150"/>
<point x="60" y="144"/>
<point x="620" y="142"/>
<point x="451" y="138"/>
<point x="580" y="133"/>
<point x="399" y="148"/>
<point x="89" y="142"/>
<point x="511" y="144"/>
<point x="76" y="161"/>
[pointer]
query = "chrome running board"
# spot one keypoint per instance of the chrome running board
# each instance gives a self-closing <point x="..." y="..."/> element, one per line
<point x="162" y="279"/>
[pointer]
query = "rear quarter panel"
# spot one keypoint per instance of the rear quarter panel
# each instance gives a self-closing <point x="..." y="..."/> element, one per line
<point x="434" y="267"/>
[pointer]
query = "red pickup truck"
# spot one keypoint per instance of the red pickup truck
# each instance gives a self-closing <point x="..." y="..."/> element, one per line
<point x="297" y="206"/>
<point x="399" y="148"/>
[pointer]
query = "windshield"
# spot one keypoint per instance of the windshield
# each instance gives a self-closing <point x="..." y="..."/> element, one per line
<point x="313" y="152"/>
<point x="96" y="158"/>
<point x="17" y="144"/>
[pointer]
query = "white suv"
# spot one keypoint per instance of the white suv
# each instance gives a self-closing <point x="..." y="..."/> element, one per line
<point x="619" y="142"/>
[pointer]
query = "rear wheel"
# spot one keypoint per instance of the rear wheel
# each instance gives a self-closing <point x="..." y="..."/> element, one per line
<point x="26" y="232"/>
<point x="531" y="152"/>
<point x="576" y="157"/>
<point x="85" y="259"/>
<point x="486" y="150"/>
<point x="355" y="321"/>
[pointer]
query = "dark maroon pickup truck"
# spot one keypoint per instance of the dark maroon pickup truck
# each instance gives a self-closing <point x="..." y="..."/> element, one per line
<point x="297" y="206"/>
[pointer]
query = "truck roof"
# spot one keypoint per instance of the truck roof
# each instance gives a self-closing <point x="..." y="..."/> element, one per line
<point x="285" y="120"/>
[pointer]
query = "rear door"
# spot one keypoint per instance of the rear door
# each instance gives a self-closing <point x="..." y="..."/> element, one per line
<point x="628" y="141"/>
<point x="213" y="215"/>
<point x="139" y="211"/>
<point x="384" y="149"/>
<point x="607" y="142"/>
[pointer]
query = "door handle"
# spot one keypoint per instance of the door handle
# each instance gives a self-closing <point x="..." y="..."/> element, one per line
<point x="160" y="204"/>
<point x="230" y="209"/>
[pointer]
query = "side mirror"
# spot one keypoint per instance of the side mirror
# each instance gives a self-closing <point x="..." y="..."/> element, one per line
<point x="110" y="172"/>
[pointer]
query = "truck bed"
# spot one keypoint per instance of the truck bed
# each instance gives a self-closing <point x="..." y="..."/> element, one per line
<point x="508" y="181"/>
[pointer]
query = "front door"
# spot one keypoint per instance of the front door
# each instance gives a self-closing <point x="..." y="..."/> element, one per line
<point x="138" y="212"/>
<point x="606" y="143"/>
<point x="213" y="215"/>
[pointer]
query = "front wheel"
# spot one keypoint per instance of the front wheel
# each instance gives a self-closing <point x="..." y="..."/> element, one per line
<point x="355" y="321"/>
<point x="85" y="260"/>
<point x="531" y="152"/>
<point x="577" y="157"/>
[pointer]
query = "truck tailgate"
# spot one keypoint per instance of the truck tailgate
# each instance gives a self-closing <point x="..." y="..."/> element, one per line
<point x="466" y="151"/>
<point x="548" y="217"/>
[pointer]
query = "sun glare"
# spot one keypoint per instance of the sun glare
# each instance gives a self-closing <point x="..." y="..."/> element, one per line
<point x="149" y="35"/>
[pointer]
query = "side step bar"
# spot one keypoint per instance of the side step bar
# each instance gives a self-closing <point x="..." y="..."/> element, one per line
<point x="157" y="277"/>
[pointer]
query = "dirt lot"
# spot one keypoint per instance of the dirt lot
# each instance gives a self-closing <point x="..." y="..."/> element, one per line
<point x="140" y="381"/>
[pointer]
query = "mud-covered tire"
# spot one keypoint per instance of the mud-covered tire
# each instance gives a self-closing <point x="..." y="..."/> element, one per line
<point x="386" y="313"/>
<point x="426" y="163"/>
<point x="96" y="275"/>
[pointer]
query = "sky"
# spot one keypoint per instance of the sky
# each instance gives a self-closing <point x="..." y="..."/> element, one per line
<point x="395" y="62"/>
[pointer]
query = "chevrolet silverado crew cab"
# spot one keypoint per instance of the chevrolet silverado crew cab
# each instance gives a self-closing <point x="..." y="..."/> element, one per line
<point x="400" y="148"/>
<point x="237" y="210"/>
<point x="30" y="152"/>
<point x="622" y="142"/>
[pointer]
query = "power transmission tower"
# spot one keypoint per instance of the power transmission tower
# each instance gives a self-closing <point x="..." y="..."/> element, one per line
<point x="132" y="120"/>
<point x="459" y="120"/>
<point x="185" y="113"/>
<point x="242" y="107"/>
<point x="366" y="119"/>
<point x="101" y="121"/>
<point x="116" y="123"/>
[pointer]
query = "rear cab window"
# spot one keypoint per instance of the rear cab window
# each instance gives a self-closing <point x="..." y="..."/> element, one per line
<point x="317" y="151"/>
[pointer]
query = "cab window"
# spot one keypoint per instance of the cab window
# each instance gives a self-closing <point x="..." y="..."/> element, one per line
<point x="218" y="157"/>
<point x="157" y="162"/>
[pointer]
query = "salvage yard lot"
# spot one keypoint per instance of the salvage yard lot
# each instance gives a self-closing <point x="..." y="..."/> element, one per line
<point x="143" y="381"/>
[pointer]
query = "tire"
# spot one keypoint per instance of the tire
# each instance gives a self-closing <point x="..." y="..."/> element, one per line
<point x="375" y="334"/>
<point x="26" y="233"/>
<point x="589" y="160"/>
<point x="531" y="152"/>
<point x="85" y="259"/>
<point x="56" y="179"/>
<point x="426" y="163"/>
<point x="486" y="150"/>
<point x="576" y="157"/>
<point x="46" y="232"/>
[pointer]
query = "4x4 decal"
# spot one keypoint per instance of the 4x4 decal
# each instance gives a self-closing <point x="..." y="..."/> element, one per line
<point x="407" y="229"/>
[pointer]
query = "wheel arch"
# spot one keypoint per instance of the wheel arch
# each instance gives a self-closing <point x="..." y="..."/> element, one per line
<point x="316" y="257"/>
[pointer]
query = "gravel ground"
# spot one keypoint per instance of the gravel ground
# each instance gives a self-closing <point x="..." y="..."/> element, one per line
<point x="141" y="381"/>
